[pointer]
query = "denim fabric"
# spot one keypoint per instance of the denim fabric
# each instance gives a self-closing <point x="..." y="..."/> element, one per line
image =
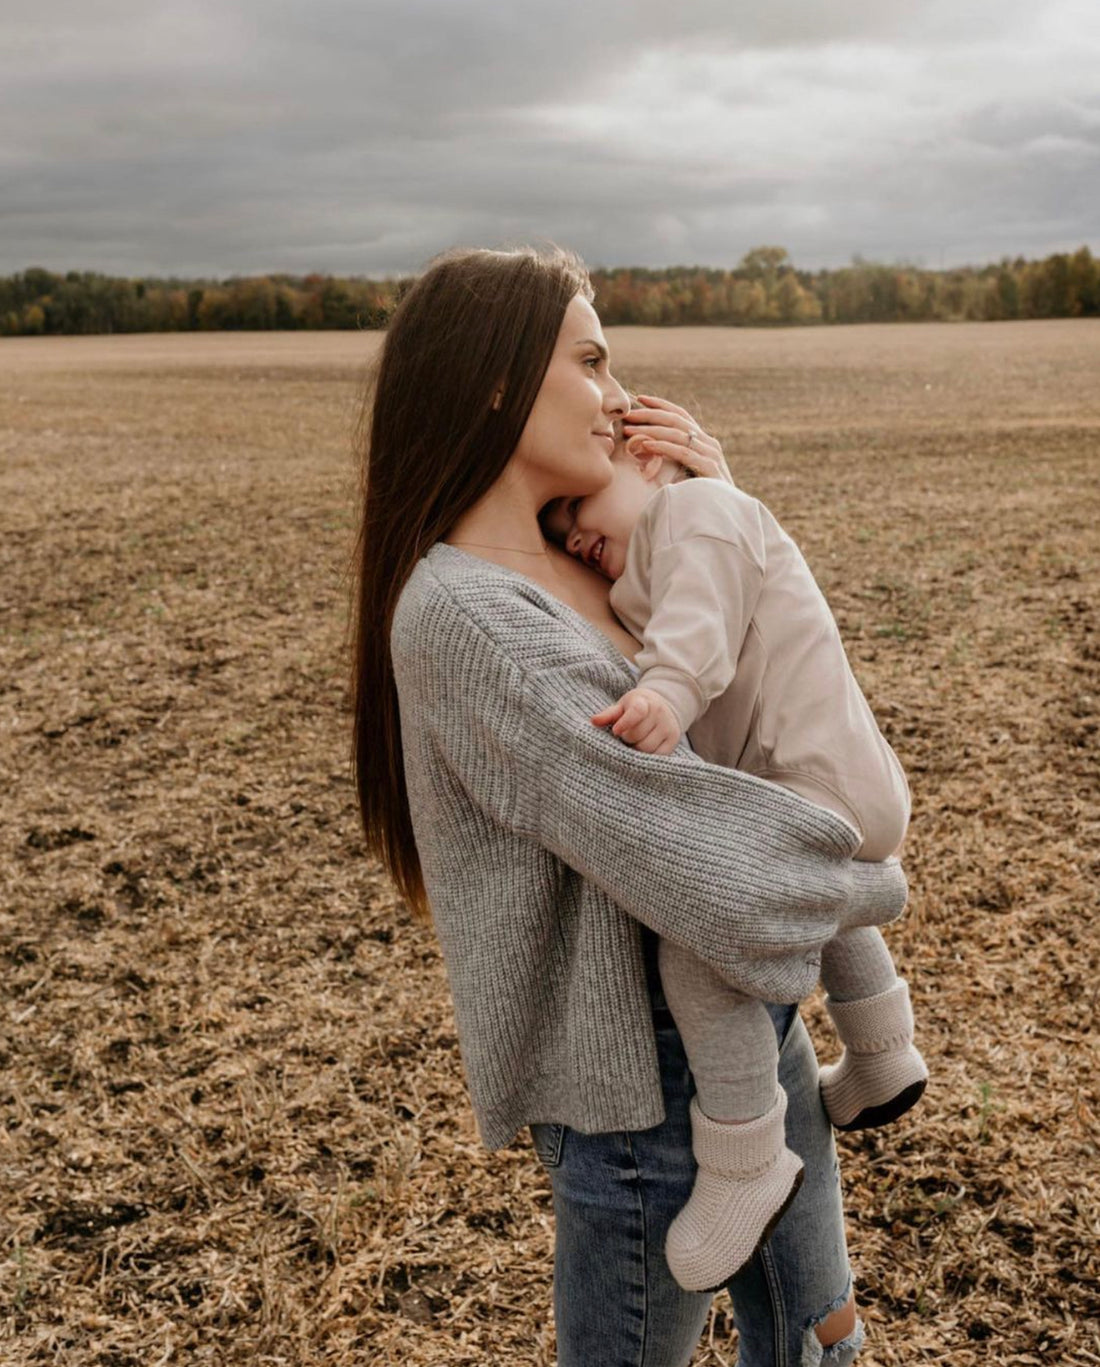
<point x="615" y="1194"/>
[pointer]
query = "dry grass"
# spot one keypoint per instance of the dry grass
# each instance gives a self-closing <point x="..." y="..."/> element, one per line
<point x="234" y="1125"/>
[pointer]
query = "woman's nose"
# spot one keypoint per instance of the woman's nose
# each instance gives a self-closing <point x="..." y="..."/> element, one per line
<point x="573" y="542"/>
<point x="616" y="400"/>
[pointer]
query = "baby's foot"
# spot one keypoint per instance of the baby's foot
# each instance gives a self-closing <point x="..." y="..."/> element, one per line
<point x="881" y="1074"/>
<point x="746" y="1180"/>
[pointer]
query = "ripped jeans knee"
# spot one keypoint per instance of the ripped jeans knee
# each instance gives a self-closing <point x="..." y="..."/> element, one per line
<point x="842" y="1351"/>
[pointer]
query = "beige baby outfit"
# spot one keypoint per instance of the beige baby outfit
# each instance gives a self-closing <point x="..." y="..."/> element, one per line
<point x="739" y="640"/>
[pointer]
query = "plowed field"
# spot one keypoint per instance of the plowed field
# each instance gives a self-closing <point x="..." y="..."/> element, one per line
<point x="233" y="1122"/>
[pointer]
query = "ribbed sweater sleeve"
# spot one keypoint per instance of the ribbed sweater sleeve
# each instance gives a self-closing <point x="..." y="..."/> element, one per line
<point x="745" y="874"/>
<point x="741" y="872"/>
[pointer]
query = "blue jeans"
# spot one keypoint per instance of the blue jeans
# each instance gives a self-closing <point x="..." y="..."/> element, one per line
<point x="615" y="1195"/>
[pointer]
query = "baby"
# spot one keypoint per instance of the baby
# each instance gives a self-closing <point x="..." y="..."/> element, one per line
<point x="739" y="648"/>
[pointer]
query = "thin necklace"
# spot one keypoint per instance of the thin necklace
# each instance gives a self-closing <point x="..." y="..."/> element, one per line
<point x="483" y="546"/>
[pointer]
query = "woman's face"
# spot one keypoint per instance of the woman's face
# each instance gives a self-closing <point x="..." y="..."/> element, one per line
<point x="566" y="444"/>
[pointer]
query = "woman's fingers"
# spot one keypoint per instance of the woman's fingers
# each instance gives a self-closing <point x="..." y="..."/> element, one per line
<point x="700" y="462"/>
<point x="652" y="401"/>
<point x="663" y="414"/>
<point x="648" y="419"/>
<point x="686" y="436"/>
<point x="710" y="468"/>
<point x="663" y="428"/>
<point x="659" y="427"/>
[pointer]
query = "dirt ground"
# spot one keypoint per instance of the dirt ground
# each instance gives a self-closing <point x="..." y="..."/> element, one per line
<point x="234" y="1127"/>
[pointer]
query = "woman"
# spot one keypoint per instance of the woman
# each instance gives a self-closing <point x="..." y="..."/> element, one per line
<point x="552" y="854"/>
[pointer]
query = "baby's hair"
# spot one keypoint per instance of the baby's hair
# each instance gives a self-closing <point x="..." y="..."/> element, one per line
<point x="545" y="525"/>
<point x="547" y="530"/>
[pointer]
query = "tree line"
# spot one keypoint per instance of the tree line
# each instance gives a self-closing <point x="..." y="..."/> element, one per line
<point x="765" y="288"/>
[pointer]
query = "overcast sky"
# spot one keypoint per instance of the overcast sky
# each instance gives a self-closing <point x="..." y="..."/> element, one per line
<point x="209" y="137"/>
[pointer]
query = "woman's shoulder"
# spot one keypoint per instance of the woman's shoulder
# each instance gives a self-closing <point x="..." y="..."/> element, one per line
<point x="453" y="597"/>
<point x="447" y="584"/>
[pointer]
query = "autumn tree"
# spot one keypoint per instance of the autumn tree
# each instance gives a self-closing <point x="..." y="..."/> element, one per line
<point x="764" y="288"/>
<point x="764" y="263"/>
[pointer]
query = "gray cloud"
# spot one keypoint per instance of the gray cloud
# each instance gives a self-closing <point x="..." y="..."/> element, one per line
<point x="138" y="136"/>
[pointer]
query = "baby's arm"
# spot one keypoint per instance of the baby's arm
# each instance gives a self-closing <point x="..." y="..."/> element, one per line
<point x="705" y="577"/>
<point x="703" y="593"/>
<point x="699" y="553"/>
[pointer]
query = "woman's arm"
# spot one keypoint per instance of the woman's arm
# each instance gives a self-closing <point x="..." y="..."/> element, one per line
<point x="750" y="877"/>
<point x="747" y="875"/>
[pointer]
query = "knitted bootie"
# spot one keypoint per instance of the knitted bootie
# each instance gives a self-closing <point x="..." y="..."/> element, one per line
<point x="747" y="1178"/>
<point x="881" y="1073"/>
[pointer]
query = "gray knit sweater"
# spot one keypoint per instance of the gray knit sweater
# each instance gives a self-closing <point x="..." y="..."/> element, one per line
<point x="545" y="841"/>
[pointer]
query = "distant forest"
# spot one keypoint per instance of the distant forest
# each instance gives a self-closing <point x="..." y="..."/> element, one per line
<point x="766" y="288"/>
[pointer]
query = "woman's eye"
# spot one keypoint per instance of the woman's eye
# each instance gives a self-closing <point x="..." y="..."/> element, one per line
<point x="571" y="508"/>
<point x="592" y="361"/>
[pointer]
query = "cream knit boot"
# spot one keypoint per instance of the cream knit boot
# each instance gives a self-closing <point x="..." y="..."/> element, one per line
<point x="747" y="1178"/>
<point x="881" y="1073"/>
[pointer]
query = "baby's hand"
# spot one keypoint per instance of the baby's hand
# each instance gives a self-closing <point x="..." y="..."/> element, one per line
<point x="644" y="720"/>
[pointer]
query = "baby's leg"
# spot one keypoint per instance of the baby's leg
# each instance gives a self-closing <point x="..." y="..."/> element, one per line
<point x="856" y="963"/>
<point x="747" y="1176"/>
<point x="881" y="1073"/>
<point x="728" y="1037"/>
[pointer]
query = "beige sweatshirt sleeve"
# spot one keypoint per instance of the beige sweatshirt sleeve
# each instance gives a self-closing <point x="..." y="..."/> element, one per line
<point x="706" y="568"/>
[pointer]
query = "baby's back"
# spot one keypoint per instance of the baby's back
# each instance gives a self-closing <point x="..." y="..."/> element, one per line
<point x="731" y="616"/>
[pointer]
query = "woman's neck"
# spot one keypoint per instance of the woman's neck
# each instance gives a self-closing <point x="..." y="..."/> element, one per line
<point x="503" y="528"/>
<point x="505" y="521"/>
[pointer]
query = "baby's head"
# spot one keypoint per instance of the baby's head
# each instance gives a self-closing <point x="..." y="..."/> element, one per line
<point x="597" y="528"/>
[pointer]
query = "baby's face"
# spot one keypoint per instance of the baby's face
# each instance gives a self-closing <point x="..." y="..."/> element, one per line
<point x="596" y="528"/>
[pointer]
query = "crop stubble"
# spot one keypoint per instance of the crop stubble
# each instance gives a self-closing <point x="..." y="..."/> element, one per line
<point x="234" y="1124"/>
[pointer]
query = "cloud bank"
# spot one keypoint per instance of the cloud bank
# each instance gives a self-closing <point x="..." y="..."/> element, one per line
<point x="140" y="137"/>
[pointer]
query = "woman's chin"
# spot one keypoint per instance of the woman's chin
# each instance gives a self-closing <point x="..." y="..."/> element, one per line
<point x="597" y="475"/>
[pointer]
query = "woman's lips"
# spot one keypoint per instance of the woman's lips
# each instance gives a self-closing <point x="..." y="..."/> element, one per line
<point x="595" y="552"/>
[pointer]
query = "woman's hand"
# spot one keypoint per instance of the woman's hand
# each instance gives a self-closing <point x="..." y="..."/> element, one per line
<point x="663" y="428"/>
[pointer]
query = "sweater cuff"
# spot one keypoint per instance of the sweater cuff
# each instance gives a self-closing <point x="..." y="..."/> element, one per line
<point x="879" y="893"/>
<point x="679" y="690"/>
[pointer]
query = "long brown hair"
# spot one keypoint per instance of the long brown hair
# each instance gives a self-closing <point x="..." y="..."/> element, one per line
<point x="463" y="360"/>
